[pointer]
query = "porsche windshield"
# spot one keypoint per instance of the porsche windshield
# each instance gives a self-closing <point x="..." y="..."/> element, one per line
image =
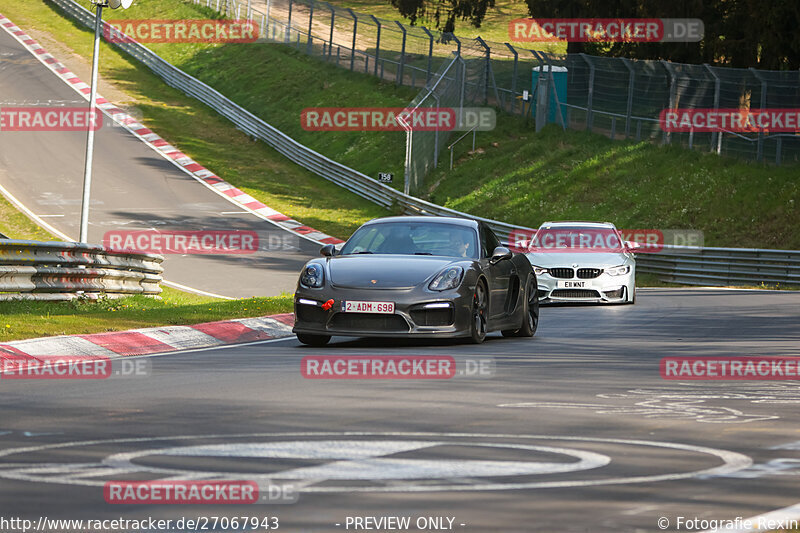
<point x="414" y="238"/>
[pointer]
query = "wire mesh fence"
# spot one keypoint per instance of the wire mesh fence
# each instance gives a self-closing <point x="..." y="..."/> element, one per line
<point x="616" y="97"/>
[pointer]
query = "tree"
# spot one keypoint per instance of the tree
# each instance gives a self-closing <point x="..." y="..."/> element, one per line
<point x="444" y="13"/>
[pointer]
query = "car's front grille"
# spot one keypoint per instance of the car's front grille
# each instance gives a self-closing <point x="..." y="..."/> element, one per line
<point x="433" y="317"/>
<point x="311" y="313"/>
<point x="574" y="293"/>
<point x="589" y="273"/>
<point x="561" y="272"/>
<point x="368" y="322"/>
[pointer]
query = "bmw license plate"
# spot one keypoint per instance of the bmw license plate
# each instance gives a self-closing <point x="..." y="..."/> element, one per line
<point x="355" y="306"/>
<point x="567" y="284"/>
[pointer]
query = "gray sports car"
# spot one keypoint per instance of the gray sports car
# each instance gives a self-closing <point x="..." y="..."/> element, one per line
<point x="417" y="277"/>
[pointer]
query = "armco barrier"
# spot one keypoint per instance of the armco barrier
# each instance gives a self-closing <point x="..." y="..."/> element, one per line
<point x="722" y="266"/>
<point x="34" y="270"/>
<point x="713" y="266"/>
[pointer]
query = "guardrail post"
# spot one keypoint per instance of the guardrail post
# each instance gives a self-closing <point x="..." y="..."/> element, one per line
<point x="378" y="44"/>
<point x="399" y="79"/>
<point x="629" y="109"/>
<point x="590" y="93"/>
<point x="430" y="53"/>
<point x="760" y="147"/>
<point x="513" y="79"/>
<point x="673" y="96"/>
<point x="716" y="135"/>
<point x="355" y="33"/>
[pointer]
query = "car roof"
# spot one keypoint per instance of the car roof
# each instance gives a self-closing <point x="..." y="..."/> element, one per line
<point x="442" y="220"/>
<point x="567" y="223"/>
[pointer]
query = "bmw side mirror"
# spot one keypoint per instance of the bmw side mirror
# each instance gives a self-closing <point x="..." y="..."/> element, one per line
<point x="328" y="250"/>
<point x="500" y="253"/>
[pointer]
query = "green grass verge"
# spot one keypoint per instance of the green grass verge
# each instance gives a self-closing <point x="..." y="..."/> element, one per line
<point x="26" y="319"/>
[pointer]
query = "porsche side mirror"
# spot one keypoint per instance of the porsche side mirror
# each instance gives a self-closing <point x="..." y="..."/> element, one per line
<point x="500" y="253"/>
<point x="328" y="250"/>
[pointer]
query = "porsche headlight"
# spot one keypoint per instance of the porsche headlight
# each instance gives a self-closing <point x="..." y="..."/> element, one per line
<point x="618" y="270"/>
<point x="539" y="270"/>
<point x="449" y="278"/>
<point x="312" y="275"/>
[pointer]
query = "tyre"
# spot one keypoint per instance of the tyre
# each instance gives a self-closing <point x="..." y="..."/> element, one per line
<point x="530" y="314"/>
<point x="313" y="340"/>
<point x="480" y="309"/>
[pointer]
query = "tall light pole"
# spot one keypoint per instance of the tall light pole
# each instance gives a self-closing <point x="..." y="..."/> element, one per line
<point x="87" y="169"/>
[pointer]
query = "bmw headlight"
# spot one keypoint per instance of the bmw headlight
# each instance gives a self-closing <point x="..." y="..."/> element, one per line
<point x="449" y="278"/>
<point x="539" y="270"/>
<point x="618" y="270"/>
<point x="312" y="275"/>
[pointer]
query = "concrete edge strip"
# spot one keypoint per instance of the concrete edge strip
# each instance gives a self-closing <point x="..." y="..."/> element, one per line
<point x="163" y="148"/>
<point x="148" y="341"/>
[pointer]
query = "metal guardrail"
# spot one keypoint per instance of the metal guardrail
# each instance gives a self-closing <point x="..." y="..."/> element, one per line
<point x="711" y="266"/>
<point x="722" y="266"/>
<point x="34" y="270"/>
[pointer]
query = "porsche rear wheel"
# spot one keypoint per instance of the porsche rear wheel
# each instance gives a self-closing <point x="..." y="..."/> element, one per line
<point x="480" y="309"/>
<point x="313" y="340"/>
<point x="530" y="314"/>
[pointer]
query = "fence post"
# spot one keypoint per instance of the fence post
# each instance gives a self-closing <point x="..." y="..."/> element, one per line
<point x="267" y="13"/>
<point x="330" y="38"/>
<point x="399" y="80"/>
<point x="430" y="53"/>
<point x="778" y="147"/>
<point x="289" y="24"/>
<point x="629" y="110"/>
<point x="590" y="95"/>
<point x="249" y="12"/>
<point x="514" y="79"/>
<point x="487" y="69"/>
<point x="310" y="20"/>
<point x="378" y="44"/>
<point x="714" y="135"/>
<point x="673" y="96"/>
<point x="355" y="33"/>
<point x="759" y="77"/>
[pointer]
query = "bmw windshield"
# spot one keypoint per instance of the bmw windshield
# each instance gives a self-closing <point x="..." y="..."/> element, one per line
<point x="414" y="238"/>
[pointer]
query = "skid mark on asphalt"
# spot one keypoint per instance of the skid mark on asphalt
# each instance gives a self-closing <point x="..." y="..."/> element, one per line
<point x="687" y="401"/>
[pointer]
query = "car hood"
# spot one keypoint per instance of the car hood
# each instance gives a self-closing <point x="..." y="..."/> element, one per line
<point x="386" y="271"/>
<point x="582" y="259"/>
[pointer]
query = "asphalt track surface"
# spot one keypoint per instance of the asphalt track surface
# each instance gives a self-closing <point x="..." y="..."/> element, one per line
<point x="573" y="431"/>
<point x="133" y="188"/>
